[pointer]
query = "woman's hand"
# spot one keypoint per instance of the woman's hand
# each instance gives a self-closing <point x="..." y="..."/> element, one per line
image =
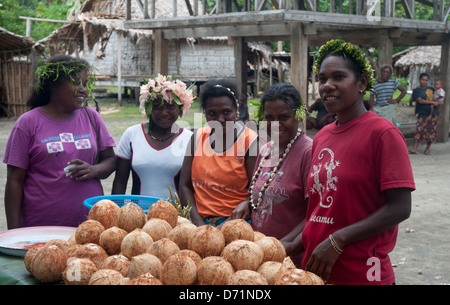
<point x="322" y="259"/>
<point x="81" y="170"/>
<point x="242" y="211"/>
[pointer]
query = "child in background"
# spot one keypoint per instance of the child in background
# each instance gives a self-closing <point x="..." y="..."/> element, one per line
<point x="438" y="96"/>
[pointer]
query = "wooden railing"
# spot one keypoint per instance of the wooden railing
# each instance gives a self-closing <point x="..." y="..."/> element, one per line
<point x="369" y="8"/>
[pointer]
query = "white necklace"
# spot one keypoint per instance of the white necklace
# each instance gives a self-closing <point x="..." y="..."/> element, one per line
<point x="272" y="175"/>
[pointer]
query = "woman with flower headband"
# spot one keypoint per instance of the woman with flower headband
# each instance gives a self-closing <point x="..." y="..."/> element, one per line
<point x="215" y="177"/>
<point x="278" y="189"/>
<point x="360" y="181"/>
<point x="52" y="152"/>
<point x="154" y="151"/>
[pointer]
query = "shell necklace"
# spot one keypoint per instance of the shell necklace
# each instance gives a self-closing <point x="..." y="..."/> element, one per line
<point x="272" y="175"/>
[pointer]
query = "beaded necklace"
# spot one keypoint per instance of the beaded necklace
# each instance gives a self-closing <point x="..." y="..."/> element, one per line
<point x="272" y="175"/>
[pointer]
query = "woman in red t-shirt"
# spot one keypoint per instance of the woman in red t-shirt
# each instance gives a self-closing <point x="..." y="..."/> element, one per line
<point x="360" y="181"/>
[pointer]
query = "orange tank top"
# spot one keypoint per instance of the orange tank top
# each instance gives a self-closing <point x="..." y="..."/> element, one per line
<point x="219" y="178"/>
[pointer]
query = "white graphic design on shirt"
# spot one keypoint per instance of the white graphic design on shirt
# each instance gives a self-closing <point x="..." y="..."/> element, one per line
<point x="54" y="147"/>
<point x="83" y="144"/>
<point x="331" y="181"/>
<point x="66" y="137"/>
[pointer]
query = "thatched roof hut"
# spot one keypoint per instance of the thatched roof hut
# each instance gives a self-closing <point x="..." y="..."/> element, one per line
<point x="414" y="61"/>
<point x="17" y="61"/>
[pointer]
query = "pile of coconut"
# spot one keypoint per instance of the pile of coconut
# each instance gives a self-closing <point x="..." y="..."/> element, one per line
<point x="125" y="246"/>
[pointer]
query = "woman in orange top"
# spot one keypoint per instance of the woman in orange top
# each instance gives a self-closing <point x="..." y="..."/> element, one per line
<point x="219" y="162"/>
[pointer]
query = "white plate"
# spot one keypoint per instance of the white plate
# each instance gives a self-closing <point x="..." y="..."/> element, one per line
<point x="16" y="242"/>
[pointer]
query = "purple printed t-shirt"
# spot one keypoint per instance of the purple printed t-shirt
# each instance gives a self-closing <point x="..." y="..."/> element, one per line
<point x="43" y="147"/>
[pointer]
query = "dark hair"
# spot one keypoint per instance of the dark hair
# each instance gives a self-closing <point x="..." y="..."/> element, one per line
<point x="424" y="74"/>
<point x="285" y="92"/>
<point x="351" y="63"/>
<point x="54" y="77"/>
<point x="219" y="88"/>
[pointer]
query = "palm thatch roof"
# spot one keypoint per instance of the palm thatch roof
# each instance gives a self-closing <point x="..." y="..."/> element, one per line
<point x="429" y="56"/>
<point x="14" y="43"/>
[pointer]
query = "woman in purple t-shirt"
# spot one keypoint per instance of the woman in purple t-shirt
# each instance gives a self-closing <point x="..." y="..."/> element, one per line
<point x="278" y="190"/>
<point x="52" y="150"/>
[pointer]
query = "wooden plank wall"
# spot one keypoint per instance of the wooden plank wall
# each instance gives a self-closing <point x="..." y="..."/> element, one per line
<point x="16" y="79"/>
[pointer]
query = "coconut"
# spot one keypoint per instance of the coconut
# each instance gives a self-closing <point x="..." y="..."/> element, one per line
<point x="258" y="235"/>
<point x="182" y="220"/>
<point x="193" y="255"/>
<point x="247" y="277"/>
<point x="116" y="262"/>
<point x="72" y="240"/>
<point x="206" y="241"/>
<point x="60" y="243"/>
<point x="135" y="243"/>
<point x="145" y="279"/>
<point x="179" y="269"/>
<point x="214" y="270"/>
<point x="163" y="209"/>
<point x="299" y="277"/>
<point x="180" y="234"/>
<point x="243" y="254"/>
<point x="111" y="239"/>
<point x="272" y="248"/>
<point x="29" y="256"/>
<point x="72" y="250"/>
<point x="89" y="232"/>
<point x="93" y="252"/>
<point x="237" y="229"/>
<point x="105" y="212"/>
<point x="163" y="249"/>
<point x="106" y="277"/>
<point x="144" y="263"/>
<point x="157" y="228"/>
<point x="79" y="271"/>
<point x="130" y="217"/>
<point x="48" y="264"/>
<point x="271" y="271"/>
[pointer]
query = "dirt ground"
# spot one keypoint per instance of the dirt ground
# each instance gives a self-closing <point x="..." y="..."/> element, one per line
<point x="422" y="253"/>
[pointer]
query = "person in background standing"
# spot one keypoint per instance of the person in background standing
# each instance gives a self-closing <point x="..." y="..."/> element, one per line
<point x="381" y="100"/>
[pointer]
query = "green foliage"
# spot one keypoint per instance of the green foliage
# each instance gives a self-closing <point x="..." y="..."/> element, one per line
<point x="45" y="9"/>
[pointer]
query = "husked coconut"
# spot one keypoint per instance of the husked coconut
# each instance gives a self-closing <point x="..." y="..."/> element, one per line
<point x="105" y="212"/>
<point x="180" y="234"/>
<point x="271" y="271"/>
<point x="243" y="254"/>
<point x="89" y="232"/>
<point x="144" y="263"/>
<point x="157" y="228"/>
<point x="135" y="243"/>
<point x="163" y="209"/>
<point x="206" y="241"/>
<point x="106" y="277"/>
<point x="181" y="220"/>
<point x="247" y="277"/>
<point x="193" y="255"/>
<point x="145" y="279"/>
<point x="111" y="239"/>
<point x="272" y="248"/>
<point x="93" y="252"/>
<point x="237" y="229"/>
<point x="299" y="277"/>
<point x="163" y="249"/>
<point x="214" y="270"/>
<point x="258" y="235"/>
<point x="29" y="256"/>
<point x="48" y="264"/>
<point x="179" y="269"/>
<point x="72" y="240"/>
<point x="72" y="250"/>
<point x="130" y="217"/>
<point x="116" y="262"/>
<point x="60" y="243"/>
<point x="79" y="271"/>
